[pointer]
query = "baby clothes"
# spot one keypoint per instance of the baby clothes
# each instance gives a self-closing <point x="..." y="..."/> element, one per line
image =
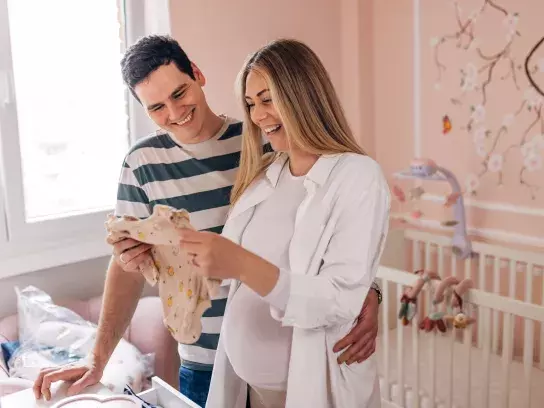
<point x="184" y="293"/>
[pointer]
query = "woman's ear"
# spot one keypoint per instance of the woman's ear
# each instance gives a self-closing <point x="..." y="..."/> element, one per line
<point x="199" y="76"/>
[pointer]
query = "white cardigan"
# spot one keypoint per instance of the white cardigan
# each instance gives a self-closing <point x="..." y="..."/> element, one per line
<point x="337" y="242"/>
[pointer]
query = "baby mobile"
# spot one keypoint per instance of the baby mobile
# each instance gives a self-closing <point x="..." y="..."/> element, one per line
<point x="428" y="170"/>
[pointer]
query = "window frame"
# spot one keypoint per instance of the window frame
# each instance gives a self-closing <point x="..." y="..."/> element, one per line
<point x="24" y="246"/>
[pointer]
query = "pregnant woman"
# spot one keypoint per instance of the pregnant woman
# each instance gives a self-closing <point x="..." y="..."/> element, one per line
<point x="301" y="245"/>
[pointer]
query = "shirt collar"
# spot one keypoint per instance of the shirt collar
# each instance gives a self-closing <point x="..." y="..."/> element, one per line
<point x="318" y="174"/>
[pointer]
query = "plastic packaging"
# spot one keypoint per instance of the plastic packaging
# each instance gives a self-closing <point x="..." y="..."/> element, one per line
<point x="53" y="336"/>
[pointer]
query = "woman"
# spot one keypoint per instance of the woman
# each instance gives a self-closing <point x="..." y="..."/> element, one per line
<point x="301" y="245"/>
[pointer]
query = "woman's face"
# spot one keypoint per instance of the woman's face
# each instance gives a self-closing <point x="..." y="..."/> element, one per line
<point x="263" y="113"/>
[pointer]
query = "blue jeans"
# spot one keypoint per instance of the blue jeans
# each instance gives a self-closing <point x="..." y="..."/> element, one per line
<point x="195" y="384"/>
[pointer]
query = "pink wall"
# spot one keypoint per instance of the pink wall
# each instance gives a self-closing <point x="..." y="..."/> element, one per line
<point x="503" y="212"/>
<point x="218" y="35"/>
<point x="368" y="48"/>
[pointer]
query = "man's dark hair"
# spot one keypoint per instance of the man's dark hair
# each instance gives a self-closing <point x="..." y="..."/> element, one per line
<point x="148" y="54"/>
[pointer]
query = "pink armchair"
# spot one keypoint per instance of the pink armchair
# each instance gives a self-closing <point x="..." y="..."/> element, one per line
<point x="146" y="332"/>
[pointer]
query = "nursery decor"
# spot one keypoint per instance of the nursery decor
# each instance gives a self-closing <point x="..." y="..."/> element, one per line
<point x="482" y="100"/>
<point x="428" y="170"/>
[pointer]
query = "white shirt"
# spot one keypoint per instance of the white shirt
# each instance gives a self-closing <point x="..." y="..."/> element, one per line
<point x="257" y="345"/>
<point x="334" y="254"/>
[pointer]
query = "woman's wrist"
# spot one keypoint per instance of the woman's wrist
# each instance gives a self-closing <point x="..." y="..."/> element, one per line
<point x="258" y="274"/>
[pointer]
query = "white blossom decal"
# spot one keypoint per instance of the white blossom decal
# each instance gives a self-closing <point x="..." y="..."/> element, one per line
<point x="495" y="135"/>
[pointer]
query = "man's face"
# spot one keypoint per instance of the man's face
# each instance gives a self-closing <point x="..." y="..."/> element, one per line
<point x="175" y="101"/>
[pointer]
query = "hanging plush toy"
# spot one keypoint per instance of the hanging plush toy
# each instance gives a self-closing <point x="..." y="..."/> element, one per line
<point x="460" y="319"/>
<point x="435" y="319"/>
<point x="408" y="300"/>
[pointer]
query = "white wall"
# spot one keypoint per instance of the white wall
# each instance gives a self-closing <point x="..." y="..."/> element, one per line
<point x="80" y="280"/>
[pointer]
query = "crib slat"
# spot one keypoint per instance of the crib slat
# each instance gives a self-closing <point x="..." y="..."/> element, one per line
<point x="506" y="359"/>
<point x="416" y="256"/>
<point x="482" y="263"/>
<point x="528" y="359"/>
<point x="481" y="276"/>
<point x="385" y="331"/>
<point x="528" y="337"/>
<point x="432" y="385"/>
<point x="428" y="303"/>
<point x="529" y="284"/>
<point x="512" y="292"/>
<point x="468" y="268"/>
<point x="428" y="267"/>
<point x="486" y="314"/>
<point x="449" y="399"/>
<point x="496" y="289"/>
<point x="468" y="275"/>
<point x="400" y="357"/>
<point x="415" y="362"/>
<point x="467" y="346"/>
<point x="440" y="260"/>
<point x="541" y="357"/>
<point x="428" y="249"/>
<point x="512" y="281"/>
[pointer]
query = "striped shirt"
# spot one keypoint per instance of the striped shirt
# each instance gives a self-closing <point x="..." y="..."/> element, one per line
<point x="196" y="177"/>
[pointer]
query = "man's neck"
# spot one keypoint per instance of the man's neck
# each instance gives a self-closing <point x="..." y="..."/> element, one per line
<point x="211" y="125"/>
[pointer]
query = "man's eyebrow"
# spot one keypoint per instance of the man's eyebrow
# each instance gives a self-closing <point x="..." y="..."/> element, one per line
<point x="180" y="88"/>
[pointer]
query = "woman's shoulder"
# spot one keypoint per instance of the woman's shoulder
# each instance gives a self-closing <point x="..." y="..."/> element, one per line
<point x="364" y="170"/>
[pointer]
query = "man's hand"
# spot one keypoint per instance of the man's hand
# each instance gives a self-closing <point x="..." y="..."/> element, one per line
<point x="361" y="340"/>
<point x="83" y="375"/>
<point x="129" y="254"/>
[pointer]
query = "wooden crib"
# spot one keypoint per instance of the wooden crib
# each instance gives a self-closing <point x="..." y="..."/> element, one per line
<point x="514" y="273"/>
<point x="475" y="367"/>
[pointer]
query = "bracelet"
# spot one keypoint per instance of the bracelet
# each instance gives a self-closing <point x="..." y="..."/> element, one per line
<point x="378" y="291"/>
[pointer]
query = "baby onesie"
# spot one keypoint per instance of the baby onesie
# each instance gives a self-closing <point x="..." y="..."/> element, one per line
<point x="185" y="294"/>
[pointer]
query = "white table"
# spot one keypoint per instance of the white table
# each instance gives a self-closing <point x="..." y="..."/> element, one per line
<point x="160" y="394"/>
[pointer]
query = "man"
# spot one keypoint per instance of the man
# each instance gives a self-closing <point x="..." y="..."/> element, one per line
<point x="189" y="163"/>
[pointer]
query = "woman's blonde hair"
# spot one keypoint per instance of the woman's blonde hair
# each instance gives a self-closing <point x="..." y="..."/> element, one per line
<point x="306" y="102"/>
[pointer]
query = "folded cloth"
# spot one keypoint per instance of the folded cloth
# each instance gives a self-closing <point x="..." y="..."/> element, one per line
<point x="185" y="294"/>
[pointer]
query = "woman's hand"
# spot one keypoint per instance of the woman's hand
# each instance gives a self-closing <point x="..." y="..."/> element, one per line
<point x="214" y="255"/>
<point x="218" y="257"/>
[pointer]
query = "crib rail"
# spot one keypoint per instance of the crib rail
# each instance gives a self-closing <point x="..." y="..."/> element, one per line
<point x="468" y="376"/>
<point x="514" y="273"/>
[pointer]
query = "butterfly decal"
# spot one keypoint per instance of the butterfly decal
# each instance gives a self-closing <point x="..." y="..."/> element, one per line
<point x="446" y="124"/>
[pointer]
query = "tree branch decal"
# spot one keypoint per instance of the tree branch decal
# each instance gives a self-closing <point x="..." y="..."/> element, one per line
<point x="530" y="72"/>
<point x="477" y="78"/>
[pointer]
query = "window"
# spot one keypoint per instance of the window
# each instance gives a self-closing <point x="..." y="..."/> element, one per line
<point x="66" y="122"/>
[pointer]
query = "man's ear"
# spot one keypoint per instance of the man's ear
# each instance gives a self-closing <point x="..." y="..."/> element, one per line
<point x="199" y="76"/>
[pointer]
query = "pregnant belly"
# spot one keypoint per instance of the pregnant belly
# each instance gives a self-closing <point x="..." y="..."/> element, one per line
<point x="257" y="346"/>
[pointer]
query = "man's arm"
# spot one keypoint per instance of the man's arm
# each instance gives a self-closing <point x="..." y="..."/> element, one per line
<point x="121" y="295"/>
<point x="122" y="292"/>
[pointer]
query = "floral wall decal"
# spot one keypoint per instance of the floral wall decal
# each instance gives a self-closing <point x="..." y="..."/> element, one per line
<point x="488" y="87"/>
